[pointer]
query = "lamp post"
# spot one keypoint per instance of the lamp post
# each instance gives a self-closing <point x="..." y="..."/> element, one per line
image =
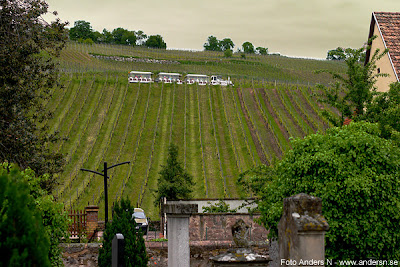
<point x="104" y="174"/>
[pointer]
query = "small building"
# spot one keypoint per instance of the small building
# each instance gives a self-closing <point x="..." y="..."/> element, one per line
<point x="166" y="77"/>
<point x="200" y="79"/>
<point x="140" y="77"/>
<point x="386" y="26"/>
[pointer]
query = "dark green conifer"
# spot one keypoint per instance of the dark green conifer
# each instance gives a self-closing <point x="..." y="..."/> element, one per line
<point x="122" y="222"/>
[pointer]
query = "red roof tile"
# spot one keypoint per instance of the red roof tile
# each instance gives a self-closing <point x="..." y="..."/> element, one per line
<point x="389" y="26"/>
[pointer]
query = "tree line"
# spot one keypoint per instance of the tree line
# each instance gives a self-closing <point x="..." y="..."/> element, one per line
<point x="83" y="32"/>
<point x="226" y="45"/>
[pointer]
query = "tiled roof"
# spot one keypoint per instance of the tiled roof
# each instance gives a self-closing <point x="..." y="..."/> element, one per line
<point x="389" y="26"/>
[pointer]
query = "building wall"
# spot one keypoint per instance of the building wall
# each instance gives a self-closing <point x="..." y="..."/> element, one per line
<point x="383" y="64"/>
<point x="218" y="227"/>
<point x="241" y="205"/>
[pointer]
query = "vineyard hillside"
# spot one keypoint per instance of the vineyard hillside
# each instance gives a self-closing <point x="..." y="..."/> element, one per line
<point x="220" y="131"/>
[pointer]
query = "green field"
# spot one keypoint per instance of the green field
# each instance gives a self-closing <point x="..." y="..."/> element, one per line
<point x="220" y="131"/>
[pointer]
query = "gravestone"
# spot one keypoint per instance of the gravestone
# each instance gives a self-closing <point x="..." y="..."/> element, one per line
<point x="118" y="250"/>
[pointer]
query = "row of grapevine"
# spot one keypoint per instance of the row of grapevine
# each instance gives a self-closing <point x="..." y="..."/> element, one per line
<point x="220" y="131"/>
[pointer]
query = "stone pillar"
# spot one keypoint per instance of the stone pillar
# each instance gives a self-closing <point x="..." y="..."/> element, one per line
<point x="302" y="232"/>
<point x="92" y="214"/>
<point x="178" y="233"/>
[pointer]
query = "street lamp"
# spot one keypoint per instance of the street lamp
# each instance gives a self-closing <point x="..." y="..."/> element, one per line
<point x="104" y="174"/>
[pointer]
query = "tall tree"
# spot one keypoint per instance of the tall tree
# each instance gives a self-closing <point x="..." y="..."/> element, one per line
<point x="248" y="48"/>
<point x="351" y="93"/>
<point x="212" y="44"/>
<point x="27" y="71"/>
<point x="174" y="181"/>
<point x="262" y="50"/>
<point x="82" y="30"/>
<point x="155" y="41"/>
<point x="227" y="44"/>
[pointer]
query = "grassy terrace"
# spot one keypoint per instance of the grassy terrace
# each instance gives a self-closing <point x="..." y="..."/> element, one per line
<point x="220" y="131"/>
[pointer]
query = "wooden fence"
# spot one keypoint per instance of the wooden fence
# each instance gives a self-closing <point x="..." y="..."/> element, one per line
<point x="77" y="228"/>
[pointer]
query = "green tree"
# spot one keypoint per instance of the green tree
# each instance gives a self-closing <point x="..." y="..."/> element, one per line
<point x="54" y="218"/>
<point x="248" y="48"/>
<point x="262" y="51"/>
<point x="351" y="93"/>
<point x="228" y="53"/>
<point x="106" y="37"/>
<point x="27" y="71"/>
<point x="174" y="182"/>
<point x="81" y="30"/>
<point x="212" y="44"/>
<point x="123" y="36"/>
<point x="385" y="110"/>
<point x="141" y="37"/>
<point x="356" y="173"/>
<point x="155" y="41"/>
<point x="23" y="238"/>
<point x="122" y="222"/>
<point x="226" y="44"/>
<point x="342" y="53"/>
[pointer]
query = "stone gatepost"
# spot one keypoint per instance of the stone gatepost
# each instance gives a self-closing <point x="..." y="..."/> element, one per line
<point x="178" y="233"/>
<point x="302" y="232"/>
<point x="92" y="214"/>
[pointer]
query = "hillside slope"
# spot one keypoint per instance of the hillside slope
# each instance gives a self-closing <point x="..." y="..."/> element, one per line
<point x="220" y="131"/>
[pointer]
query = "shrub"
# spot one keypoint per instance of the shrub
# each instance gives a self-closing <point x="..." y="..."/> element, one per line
<point x="23" y="239"/>
<point x="122" y="222"/>
<point x="356" y="173"/>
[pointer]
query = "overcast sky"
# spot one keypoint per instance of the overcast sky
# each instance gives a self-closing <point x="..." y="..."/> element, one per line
<point x="300" y="28"/>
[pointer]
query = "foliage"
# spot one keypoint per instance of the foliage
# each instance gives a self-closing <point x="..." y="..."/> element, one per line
<point x="385" y="110"/>
<point x="23" y="238"/>
<point x="123" y="223"/>
<point x="212" y="44"/>
<point x="262" y="50"/>
<point x="123" y="36"/>
<point x="27" y="71"/>
<point x="155" y="41"/>
<point x="356" y="173"/>
<point x="220" y="207"/>
<point x="351" y="93"/>
<point x="81" y="30"/>
<point x="248" y="48"/>
<point x="341" y="54"/>
<point x="54" y="218"/>
<point x="228" y="53"/>
<point x="174" y="181"/>
<point x="226" y="44"/>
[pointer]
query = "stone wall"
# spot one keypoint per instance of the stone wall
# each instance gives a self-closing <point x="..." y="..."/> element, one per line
<point x="218" y="227"/>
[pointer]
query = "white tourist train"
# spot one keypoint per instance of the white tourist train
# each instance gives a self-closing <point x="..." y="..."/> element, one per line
<point x="140" y="77"/>
<point x="165" y="77"/>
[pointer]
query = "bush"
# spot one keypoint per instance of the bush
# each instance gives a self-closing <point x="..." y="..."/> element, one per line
<point x="356" y="173"/>
<point x="122" y="222"/>
<point x="23" y="239"/>
<point x="52" y="214"/>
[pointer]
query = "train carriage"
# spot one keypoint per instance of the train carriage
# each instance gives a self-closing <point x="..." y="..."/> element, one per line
<point x="140" y="77"/>
<point x="200" y="79"/>
<point x="166" y="77"/>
